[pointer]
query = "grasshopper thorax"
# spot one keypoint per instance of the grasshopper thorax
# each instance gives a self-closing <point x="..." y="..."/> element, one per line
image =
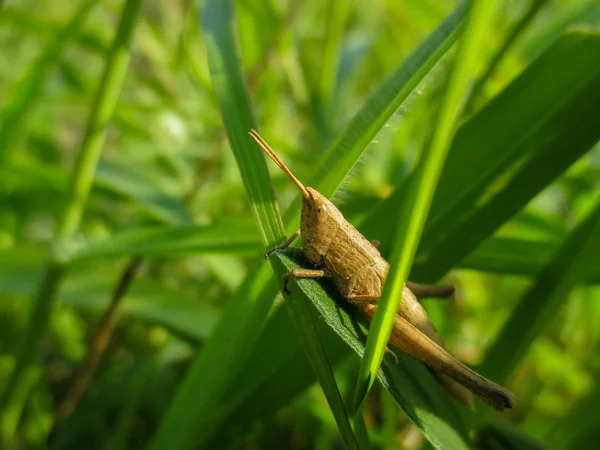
<point x="319" y="223"/>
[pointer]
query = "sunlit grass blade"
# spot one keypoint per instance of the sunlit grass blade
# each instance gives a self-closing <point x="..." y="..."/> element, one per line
<point x="28" y="91"/>
<point x="413" y="214"/>
<point x="89" y="153"/>
<point x="544" y="299"/>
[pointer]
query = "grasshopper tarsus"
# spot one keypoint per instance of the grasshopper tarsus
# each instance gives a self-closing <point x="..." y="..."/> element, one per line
<point x="286" y="291"/>
<point x="392" y="354"/>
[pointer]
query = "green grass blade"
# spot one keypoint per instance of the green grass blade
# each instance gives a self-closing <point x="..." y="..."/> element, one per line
<point x="545" y="298"/>
<point x="218" y="31"/>
<point x="303" y="321"/>
<point x="16" y="112"/>
<point x="104" y="103"/>
<point x="413" y="389"/>
<point x="217" y="20"/>
<point x="414" y="214"/>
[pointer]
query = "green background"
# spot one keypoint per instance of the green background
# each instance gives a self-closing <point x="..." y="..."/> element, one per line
<point x="124" y="155"/>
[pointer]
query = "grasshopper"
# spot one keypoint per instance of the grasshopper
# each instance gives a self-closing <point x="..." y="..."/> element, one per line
<point x="342" y="253"/>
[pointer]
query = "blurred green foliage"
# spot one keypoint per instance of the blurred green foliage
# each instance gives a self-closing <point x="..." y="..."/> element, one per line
<point x="513" y="223"/>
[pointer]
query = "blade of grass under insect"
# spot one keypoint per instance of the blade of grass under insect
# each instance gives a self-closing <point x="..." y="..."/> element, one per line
<point x="408" y="382"/>
<point x="234" y="102"/>
<point x="303" y="320"/>
<point x="258" y="288"/>
<point x="104" y="103"/>
<point x="544" y="299"/>
<point x="28" y="91"/>
<point x="413" y="215"/>
<point x="516" y="32"/>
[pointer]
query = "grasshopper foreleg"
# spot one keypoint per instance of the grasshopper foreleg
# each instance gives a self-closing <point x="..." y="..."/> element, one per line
<point x="285" y="245"/>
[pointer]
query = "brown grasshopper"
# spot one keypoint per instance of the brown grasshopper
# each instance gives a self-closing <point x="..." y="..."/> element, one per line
<point x="358" y="271"/>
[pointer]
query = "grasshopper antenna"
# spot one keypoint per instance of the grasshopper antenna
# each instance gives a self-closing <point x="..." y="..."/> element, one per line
<point x="269" y="151"/>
